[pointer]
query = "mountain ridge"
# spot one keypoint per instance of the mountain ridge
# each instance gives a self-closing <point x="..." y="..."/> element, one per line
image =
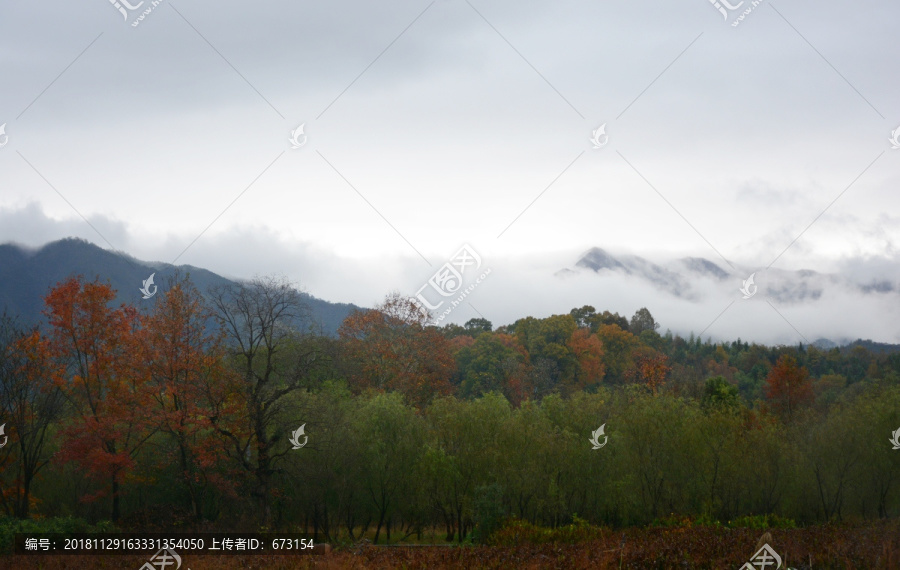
<point x="679" y="277"/>
<point x="27" y="274"/>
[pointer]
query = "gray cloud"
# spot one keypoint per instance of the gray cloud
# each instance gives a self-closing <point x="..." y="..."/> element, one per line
<point x="462" y="125"/>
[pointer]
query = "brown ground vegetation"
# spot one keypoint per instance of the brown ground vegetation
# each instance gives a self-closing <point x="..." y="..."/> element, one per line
<point x="865" y="547"/>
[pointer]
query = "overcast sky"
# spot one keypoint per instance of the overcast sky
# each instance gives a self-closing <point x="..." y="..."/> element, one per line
<point x="429" y="125"/>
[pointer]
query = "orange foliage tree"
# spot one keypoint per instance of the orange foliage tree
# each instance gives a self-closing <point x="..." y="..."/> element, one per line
<point x="102" y="379"/>
<point x="588" y="350"/>
<point x="189" y="385"/>
<point x="651" y="368"/>
<point x="788" y="386"/>
<point x="30" y="403"/>
<point x="392" y="348"/>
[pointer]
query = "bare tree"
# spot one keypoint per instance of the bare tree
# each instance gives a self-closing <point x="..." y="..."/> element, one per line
<point x="273" y="359"/>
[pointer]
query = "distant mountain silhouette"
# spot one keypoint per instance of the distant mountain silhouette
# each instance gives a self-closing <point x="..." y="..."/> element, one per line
<point x="681" y="277"/>
<point x="27" y="275"/>
<point x="825" y="344"/>
<point x="872" y="346"/>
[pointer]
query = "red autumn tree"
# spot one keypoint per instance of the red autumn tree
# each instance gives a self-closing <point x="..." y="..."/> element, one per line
<point x="719" y="365"/>
<point x="189" y="385"/>
<point x="102" y="379"/>
<point x="651" y="368"/>
<point x="392" y="348"/>
<point x="588" y="350"/>
<point x="30" y="404"/>
<point x="788" y="386"/>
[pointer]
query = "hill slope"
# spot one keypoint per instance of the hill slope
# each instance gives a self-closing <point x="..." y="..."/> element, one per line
<point x="27" y="275"/>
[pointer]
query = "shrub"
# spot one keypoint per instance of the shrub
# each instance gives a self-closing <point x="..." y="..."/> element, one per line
<point x="516" y="531"/>
<point x="672" y="521"/>
<point x="762" y="522"/>
<point x="9" y="526"/>
<point x="488" y="512"/>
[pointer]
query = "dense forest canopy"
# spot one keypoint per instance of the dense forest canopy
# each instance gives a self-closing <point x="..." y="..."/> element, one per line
<point x="149" y="413"/>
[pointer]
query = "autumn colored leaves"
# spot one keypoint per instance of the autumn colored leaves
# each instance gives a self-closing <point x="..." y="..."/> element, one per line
<point x="130" y="380"/>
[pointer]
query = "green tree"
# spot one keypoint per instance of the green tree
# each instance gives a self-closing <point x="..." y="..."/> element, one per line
<point x="584" y="316"/>
<point x="720" y="394"/>
<point x="608" y="318"/>
<point x="326" y="477"/>
<point x="834" y="451"/>
<point x="393" y="436"/>
<point x="659" y="438"/>
<point x="490" y="364"/>
<point x="877" y="414"/>
<point x="546" y="341"/>
<point x="464" y="454"/>
<point x="477" y="326"/>
<point x="619" y="346"/>
<point x="642" y="321"/>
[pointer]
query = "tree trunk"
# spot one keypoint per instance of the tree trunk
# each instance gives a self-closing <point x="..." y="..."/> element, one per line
<point x="26" y="494"/>
<point x="192" y="491"/>
<point x="316" y="524"/>
<point x="350" y="523"/>
<point x="262" y="469"/>
<point x="378" y="528"/>
<point x="115" y="498"/>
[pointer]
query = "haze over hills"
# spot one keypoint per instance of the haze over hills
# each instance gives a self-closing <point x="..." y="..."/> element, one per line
<point x="26" y="275"/>
<point x="686" y="277"/>
<point x="851" y="298"/>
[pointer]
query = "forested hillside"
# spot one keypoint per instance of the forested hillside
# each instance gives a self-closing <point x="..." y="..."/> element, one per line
<point x="154" y="420"/>
<point x="27" y="275"/>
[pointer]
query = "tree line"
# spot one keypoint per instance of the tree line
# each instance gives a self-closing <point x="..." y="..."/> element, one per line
<point x="182" y="412"/>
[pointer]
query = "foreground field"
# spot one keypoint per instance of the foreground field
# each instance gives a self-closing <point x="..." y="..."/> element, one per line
<point x="869" y="547"/>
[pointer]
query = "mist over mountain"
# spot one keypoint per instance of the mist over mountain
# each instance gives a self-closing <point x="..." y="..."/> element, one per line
<point x="27" y="275"/>
<point x="691" y="277"/>
<point x="829" y="309"/>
